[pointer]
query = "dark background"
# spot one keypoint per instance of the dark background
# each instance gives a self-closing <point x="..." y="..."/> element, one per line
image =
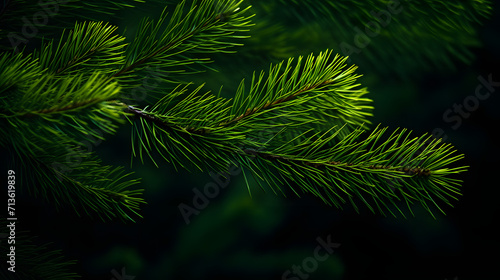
<point x="260" y="237"/>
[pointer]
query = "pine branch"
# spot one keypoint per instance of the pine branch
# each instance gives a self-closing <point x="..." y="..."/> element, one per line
<point x="48" y="117"/>
<point x="65" y="175"/>
<point x="335" y="164"/>
<point x="379" y="173"/>
<point x="333" y="167"/>
<point x="206" y="26"/>
<point x="79" y="107"/>
<point x="90" y="46"/>
<point x="319" y="92"/>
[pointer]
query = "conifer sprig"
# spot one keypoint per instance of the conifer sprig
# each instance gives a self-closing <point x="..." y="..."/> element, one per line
<point x="203" y="27"/>
<point x="318" y="91"/>
<point x="375" y="171"/>
<point x="73" y="107"/>
<point x="67" y="175"/>
<point x="49" y="117"/>
<point x="336" y="164"/>
<point x="89" y="46"/>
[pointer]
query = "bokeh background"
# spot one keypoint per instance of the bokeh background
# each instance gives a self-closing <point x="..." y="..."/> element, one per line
<point x="238" y="236"/>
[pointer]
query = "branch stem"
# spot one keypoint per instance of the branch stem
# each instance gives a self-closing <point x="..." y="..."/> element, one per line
<point x="407" y="170"/>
